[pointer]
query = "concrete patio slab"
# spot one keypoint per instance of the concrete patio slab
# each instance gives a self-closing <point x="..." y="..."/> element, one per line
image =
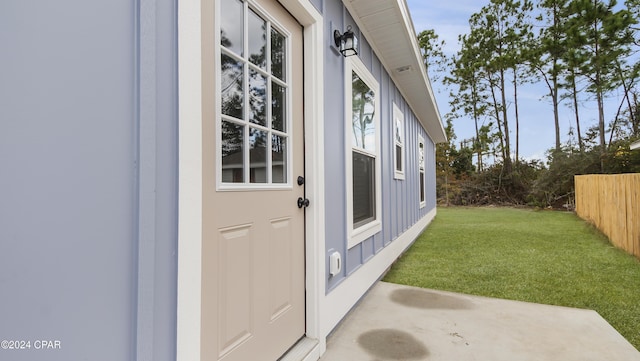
<point x="395" y="322"/>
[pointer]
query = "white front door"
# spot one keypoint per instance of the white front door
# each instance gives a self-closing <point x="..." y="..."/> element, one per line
<point x="253" y="229"/>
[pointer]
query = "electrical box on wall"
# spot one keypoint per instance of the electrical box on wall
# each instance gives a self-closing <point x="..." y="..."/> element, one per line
<point x="335" y="263"/>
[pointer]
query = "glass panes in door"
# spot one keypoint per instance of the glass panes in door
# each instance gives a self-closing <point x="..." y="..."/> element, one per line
<point x="255" y="126"/>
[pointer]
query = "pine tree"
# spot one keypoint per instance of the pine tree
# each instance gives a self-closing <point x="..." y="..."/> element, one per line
<point x="546" y="57"/>
<point x="601" y="36"/>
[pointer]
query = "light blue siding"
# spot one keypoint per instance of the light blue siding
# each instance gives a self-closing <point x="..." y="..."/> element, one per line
<point x="70" y="126"/>
<point x="317" y="4"/>
<point x="400" y="198"/>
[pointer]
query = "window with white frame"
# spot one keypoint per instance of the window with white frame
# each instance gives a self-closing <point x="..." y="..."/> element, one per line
<point x="363" y="152"/>
<point x="398" y="149"/>
<point x="254" y="123"/>
<point x="421" y="149"/>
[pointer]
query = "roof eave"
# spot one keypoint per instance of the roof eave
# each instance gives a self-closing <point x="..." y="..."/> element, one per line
<point x="388" y="27"/>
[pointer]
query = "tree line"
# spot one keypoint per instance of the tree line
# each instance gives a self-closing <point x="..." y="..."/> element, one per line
<point x="582" y="51"/>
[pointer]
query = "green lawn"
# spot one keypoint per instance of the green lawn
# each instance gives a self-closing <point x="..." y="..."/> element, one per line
<point x="535" y="256"/>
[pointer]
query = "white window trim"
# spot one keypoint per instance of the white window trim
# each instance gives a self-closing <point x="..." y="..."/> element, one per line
<point x="422" y="172"/>
<point x="358" y="235"/>
<point x="398" y="116"/>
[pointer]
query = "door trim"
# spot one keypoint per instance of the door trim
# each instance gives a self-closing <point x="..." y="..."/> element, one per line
<point x="190" y="190"/>
<point x="190" y="178"/>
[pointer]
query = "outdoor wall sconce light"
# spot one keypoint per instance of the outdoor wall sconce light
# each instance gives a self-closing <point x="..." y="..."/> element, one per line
<point x="347" y="42"/>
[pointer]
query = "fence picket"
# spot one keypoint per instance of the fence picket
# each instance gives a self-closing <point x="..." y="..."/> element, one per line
<point x="612" y="204"/>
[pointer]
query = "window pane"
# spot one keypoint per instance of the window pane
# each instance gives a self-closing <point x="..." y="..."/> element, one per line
<point x="231" y="27"/>
<point x="278" y="107"/>
<point x="398" y="131"/>
<point x="278" y="55"/>
<point x="421" y="156"/>
<point x="398" y="158"/>
<point x="279" y="159"/>
<point x="257" y="40"/>
<point x="232" y="89"/>
<point x="422" y="195"/>
<point x="258" y="155"/>
<point x="364" y="204"/>
<point x="232" y="153"/>
<point x="257" y="98"/>
<point x="364" y="131"/>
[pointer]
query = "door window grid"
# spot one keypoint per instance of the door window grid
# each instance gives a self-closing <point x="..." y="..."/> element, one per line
<point x="254" y="99"/>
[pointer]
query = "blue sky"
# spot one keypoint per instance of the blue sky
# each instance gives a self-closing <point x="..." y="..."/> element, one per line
<point x="449" y="18"/>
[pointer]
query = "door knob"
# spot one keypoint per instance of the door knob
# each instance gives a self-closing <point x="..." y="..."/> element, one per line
<point x="303" y="202"/>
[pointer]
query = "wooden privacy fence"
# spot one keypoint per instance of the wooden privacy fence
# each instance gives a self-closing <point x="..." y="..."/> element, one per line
<point x="612" y="204"/>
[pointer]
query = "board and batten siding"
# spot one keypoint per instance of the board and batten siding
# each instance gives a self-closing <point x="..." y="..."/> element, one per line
<point x="400" y="198"/>
<point x="88" y="148"/>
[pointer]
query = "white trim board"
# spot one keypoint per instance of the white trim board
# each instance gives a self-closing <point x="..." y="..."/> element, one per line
<point x="340" y="301"/>
<point x="314" y="45"/>
<point x="189" y="180"/>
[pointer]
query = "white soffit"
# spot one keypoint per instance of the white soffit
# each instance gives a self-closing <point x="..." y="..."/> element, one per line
<point x="388" y="27"/>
